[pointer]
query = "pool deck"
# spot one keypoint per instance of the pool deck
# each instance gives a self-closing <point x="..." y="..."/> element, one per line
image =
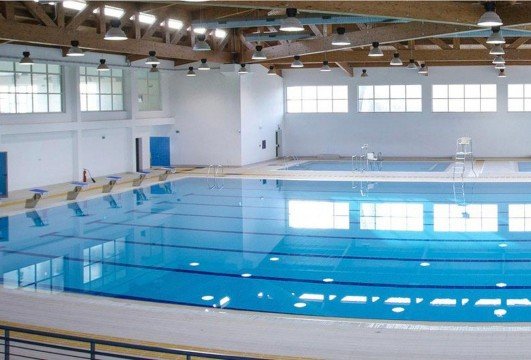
<point x="271" y="335"/>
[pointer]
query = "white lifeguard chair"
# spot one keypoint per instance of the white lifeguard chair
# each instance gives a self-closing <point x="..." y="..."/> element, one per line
<point x="463" y="156"/>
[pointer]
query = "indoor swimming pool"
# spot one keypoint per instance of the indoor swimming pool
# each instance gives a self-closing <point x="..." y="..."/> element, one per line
<point x="347" y="165"/>
<point x="397" y="251"/>
<point x="524" y="166"/>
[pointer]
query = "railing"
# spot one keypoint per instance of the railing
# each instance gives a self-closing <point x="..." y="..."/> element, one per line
<point x="217" y="171"/>
<point x="23" y="343"/>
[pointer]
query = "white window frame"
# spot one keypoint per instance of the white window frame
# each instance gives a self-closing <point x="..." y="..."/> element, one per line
<point x="406" y="101"/>
<point x="453" y="98"/>
<point x="335" y="102"/>
<point x="149" y="76"/>
<point x="112" y="74"/>
<point x="525" y="99"/>
<point x="16" y="71"/>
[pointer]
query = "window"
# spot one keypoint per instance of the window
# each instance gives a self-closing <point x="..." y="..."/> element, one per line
<point x="47" y="275"/>
<point x="30" y="89"/>
<point x="308" y="214"/>
<point x="392" y="216"/>
<point x="95" y="257"/>
<point x="390" y="98"/>
<point x="465" y="218"/>
<point x="148" y="85"/>
<point x="464" y="98"/>
<point x="101" y="90"/>
<point x="317" y="99"/>
<point x="520" y="217"/>
<point x="519" y="97"/>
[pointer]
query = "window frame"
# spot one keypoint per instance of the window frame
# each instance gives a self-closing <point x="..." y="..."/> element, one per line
<point x="147" y="80"/>
<point x="464" y="98"/>
<point x="524" y="97"/>
<point x="389" y="99"/>
<point x="112" y="93"/>
<point x="316" y="100"/>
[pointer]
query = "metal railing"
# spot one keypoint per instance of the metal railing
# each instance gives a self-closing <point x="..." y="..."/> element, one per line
<point x="23" y="343"/>
<point x="215" y="172"/>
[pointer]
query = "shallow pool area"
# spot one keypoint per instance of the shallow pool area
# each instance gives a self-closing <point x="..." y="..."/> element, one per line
<point x="346" y="165"/>
<point x="395" y="251"/>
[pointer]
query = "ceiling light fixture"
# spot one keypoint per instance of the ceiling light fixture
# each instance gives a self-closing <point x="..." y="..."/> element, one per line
<point x="497" y="50"/>
<point x="376" y="51"/>
<point x="340" y="39"/>
<point x="201" y="44"/>
<point x="204" y="66"/>
<point x="243" y="69"/>
<point x="290" y="22"/>
<point x="395" y="61"/>
<point x="325" y="66"/>
<point x="364" y="73"/>
<point x="191" y="72"/>
<point x="423" y="69"/>
<point x="297" y="63"/>
<point x="499" y="66"/>
<point x="26" y="59"/>
<point x="103" y="66"/>
<point x="74" y="49"/>
<point x="154" y="68"/>
<point x="152" y="59"/>
<point x="496" y="37"/>
<point x="115" y="33"/>
<point x="498" y="60"/>
<point x="489" y="17"/>
<point x="501" y="73"/>
<point x="412" y="65"/>
<point x="271" y="70"/>
<point x="258" y="53"/>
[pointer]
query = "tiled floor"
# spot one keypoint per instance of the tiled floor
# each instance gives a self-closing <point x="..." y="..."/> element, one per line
<point x="274" y="335"/>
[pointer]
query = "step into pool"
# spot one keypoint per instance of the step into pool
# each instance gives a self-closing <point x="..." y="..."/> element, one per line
<point x="396" y="251"/>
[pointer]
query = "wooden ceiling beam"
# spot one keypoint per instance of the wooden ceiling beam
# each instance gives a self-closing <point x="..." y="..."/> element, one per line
<point x="81" y="16"/>
<point x="37" y="11"/>
<point x="517" y="43"/>
<point x="456" y="43"/>
<point x="54" y="36"/>
<point x="440" y="43"/>
<point x="384" y="34"/>
<point x="60" y="14"/>
<point x="345" y="66"/>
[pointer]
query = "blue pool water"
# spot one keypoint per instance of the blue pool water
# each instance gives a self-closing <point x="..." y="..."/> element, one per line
<point x="346" y="165"/>
<point x="403" y="251"/>
<point x="524" y="166"/>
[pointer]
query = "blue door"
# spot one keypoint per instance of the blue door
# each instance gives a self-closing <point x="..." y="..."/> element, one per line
<point x="3" y="174"/>
<point x="160" y="151"/>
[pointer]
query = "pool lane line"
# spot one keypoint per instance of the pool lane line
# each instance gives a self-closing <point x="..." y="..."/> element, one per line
<point x="281" y="279"/>
<point x="308" y="236"/>
<point x="279" y="253"/>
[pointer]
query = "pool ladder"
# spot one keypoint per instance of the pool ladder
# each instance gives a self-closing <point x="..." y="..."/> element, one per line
<point x="215" y="172"/>
<point x="289" y="158"/>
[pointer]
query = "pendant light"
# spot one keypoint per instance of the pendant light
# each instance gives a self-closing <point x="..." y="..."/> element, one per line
<point x="412" y="65"/>
<point x="325" y="66"/>
<point x="376" y="51"/>
<point x="191" y="72"/>
<point x="26" y="59"/>
<point x="152" y="59"/>
<point x="115" y="33"/>
<point x="243" y="69"/>
<point x="204" y="66"/>
<point x="154" y="68"/>
<point x="423" y="69"/>
<point x="395" y="61"/>
<point x="103" y="66"/>
<point x="364" y="73"/>
<point x="271" y="70"/>
<point x="497" y="50"/>
<point x="498" y="60"/>
<point x="499" y="66"/>
<point x="501" y="73"/>
<point x="201" y="44"/>
<point x="489" y="17"/>
<point x="258" y="53"/>
<point x="297" y="63"/>
<point x="495" y="37"/>
<point x="74" y="49"/>
<point x="340" y="39"/>
<point x="291" y="23"/>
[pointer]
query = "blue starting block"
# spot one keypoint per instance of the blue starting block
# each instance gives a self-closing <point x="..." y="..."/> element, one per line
<point x="78" y="186"/>
<point x="112" y="181"/>
<point x="167" y="171"/>
<point x="37" y="195"/>
<point x="141" y="176"/>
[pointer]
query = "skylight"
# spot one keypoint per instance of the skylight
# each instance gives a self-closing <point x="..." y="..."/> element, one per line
<point x="74" y="5"/>
<point x="111" y="11"/>
<point x="145" y="18"/>
<point x="174" y="24"/>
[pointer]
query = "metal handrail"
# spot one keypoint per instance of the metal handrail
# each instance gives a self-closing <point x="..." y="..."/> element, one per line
<point x="92" y="351"/>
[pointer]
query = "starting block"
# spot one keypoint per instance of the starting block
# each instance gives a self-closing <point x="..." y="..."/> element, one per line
<point x="78" y="186"/>
<point x="167" y="171"/>
<point x="37" y="195"/>
<point x="142" y="175"/>
<point x="112" y="181"/>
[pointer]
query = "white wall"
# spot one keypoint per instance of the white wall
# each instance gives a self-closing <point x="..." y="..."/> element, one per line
<point x="409" y="134"/>
<point x="50" y="148"/>
<point x="207" y="115"/>
<point x="262" y="112"/>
